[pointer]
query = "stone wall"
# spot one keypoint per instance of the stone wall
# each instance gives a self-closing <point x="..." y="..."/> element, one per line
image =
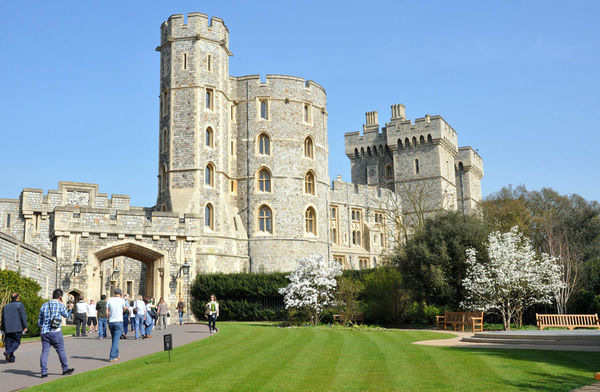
<point x="32" y="263"/>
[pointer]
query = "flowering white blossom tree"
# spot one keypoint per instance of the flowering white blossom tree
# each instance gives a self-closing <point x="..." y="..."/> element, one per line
<point x="311" y="286"/>
<point x="513" y="279"/>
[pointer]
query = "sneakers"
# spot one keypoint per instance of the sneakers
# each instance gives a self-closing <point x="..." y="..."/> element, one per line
<point x="113" y="360"/>
<point x="68" y="371"/>
<point x="44" y="375"/>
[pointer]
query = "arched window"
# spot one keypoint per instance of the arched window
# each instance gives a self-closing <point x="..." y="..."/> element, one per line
<point x="406" y="143"/>
<point x="414" y="141"/>
<point x="421" y="140"/>
<point x="388" y="171"/>
<point x="369" y="151"/>
<point x="209" y="137"/>
<point x="209" y="175"/>
<point x="264" y="181"/>
<point x="416" y="166"/>
<point x="309" y="148"/>
<point x="356" y="153"/>
<point x="209" y="216"/>
<point x="306" y="113"/>
<point x="264" y="109"/>
<point x="209" y="98"/>
<point x="163" y="178"/>
<point x="265" y="219"/>
<point x="429" y="139"/>
<point x="309" y="183"/>
<point x="264" y="144"/>
<point x="163" y="208"/>
<point x="311" y="220"/>
<point x="362" y="151"/>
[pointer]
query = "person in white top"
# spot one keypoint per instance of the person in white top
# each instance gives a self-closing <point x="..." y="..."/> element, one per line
<point x="139" y="309"/>
<point x="92" y="316"/>
<point x="80" y="317"/>
<point x="114" y="309"/>
<point x="132" y="315"/>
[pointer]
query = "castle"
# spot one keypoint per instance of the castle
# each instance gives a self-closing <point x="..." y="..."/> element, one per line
<point x="242" y="182"/>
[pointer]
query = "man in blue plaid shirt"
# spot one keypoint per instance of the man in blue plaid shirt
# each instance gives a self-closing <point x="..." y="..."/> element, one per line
<point x="49" y="320"/>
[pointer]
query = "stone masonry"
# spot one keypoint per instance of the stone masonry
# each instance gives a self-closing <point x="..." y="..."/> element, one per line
<point x="243" y="183"/>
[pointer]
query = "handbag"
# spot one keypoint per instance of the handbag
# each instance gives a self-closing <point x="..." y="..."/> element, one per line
<point x="55" y="323"/>
<point x="168" y="314"/>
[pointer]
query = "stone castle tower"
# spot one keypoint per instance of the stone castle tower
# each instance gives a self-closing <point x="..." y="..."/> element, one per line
<point x="233" y="148"/>
<point x="420" y="161"/>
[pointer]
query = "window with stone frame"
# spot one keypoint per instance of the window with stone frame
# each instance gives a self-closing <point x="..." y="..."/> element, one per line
<point x="307" y="117"/>
<point x="309" y="183"/>
<point x="165" y="141"/>
<point x="265" y="219"/>
<point x="417" y="169"/>
<point x="363" y="262"/>
<point x="334" y="225"/>
<point x="309" y="149"/>
<point x="210" y="97"/>
<point x="184" y="61"/>
<point x="209" y="136"/>
<point x="209" y="65"/>
<point x="264" y="109"/>
<point x="310" y="217"/>
<point x="341" y="260"/>
<point x="264" y="144"/>
<point x="209" y="175"/>
<point x="264" y="180"/>
<point x="389" y="174"/>
<point x="356" y="226"/>
<point x="163" y="178"/>
<point x="209" y="216"/>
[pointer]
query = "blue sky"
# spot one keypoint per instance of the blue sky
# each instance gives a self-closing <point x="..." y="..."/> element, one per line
<point x="519" y="81"/>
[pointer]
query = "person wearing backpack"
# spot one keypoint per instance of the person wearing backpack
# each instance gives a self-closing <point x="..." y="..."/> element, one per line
<point x="50" y="320"/>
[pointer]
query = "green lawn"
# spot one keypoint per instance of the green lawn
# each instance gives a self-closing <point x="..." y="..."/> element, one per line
<point x="254" y="356"/>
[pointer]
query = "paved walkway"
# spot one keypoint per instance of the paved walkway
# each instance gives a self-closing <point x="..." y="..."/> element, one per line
<point x="87" y="353"/>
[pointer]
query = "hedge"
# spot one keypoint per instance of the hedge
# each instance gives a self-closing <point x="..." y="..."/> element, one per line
<point x="11" y="282"/>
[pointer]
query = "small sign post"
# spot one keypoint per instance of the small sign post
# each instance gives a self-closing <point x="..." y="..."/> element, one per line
<point x="168" y="344"/>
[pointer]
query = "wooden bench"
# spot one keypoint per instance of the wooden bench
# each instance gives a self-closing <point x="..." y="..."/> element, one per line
<point x="354" y="318"/>
<point x="461" y="319"/>
<point x="570" y="321"/>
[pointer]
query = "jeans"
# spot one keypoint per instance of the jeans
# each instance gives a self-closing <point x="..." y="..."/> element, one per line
<point x="139" y="325"/>
<point x="80" y="322"/>
<point x="162" y="321"/>
<point x="149" y="325"/>
<point x="180" y="317"/>
<point x="12" y="341"/>
<point x="125" y="324"/>
<point x="54" y="339"/>
<point x="102" y="327"/>
<point x="212" y="319"/>
<point x="116" y="329"/>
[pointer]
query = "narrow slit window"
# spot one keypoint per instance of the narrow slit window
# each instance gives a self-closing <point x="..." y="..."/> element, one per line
<point x="417" y="166"/>
<point x="209" y="63"/>
<point x="185" y="60"/>
<point x="264" y="110"/>
<point x="209" y="99"/>
<point x="209" y="137"/>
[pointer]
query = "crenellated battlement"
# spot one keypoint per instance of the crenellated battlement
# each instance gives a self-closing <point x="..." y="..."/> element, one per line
<point x="288" y="87"/>
<point x="470" y="159"/>
<point x="198" y="26"/>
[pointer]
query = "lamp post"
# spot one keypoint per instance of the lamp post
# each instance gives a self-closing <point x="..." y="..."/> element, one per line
<point x="185" y="268"/>
<point x="76" y="269"/>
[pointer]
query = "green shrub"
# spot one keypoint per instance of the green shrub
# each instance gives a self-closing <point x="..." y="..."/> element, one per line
<point x="384" y="297"/>
<point x="10" y="282"/>
<point x="241" y="297"/>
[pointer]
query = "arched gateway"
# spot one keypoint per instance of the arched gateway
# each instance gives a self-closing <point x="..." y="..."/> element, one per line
<point x="109" y="277"/>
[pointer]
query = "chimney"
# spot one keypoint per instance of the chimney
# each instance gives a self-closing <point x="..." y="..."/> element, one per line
<point x="398" y="112"/>
<point x="372" y="118"/>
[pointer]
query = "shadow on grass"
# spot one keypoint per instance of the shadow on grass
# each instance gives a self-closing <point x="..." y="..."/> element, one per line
<point x="587" y="362"/>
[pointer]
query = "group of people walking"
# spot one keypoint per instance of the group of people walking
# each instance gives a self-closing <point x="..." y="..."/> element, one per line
<point x="117" y="313"/>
